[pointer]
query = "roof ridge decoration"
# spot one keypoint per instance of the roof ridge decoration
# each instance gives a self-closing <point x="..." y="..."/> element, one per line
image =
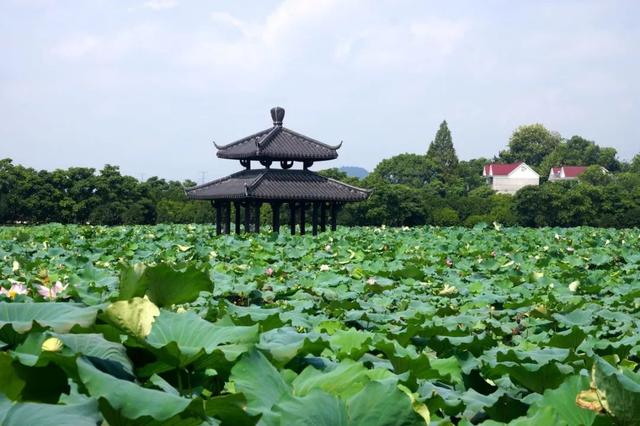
<point x="264" y="141"/>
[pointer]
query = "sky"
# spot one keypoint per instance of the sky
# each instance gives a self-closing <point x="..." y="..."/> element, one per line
<point x="148" y="85"/>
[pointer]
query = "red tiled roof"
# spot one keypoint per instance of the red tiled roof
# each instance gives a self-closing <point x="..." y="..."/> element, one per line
<point x="496" y="169"/>
<point x="573" y="171"/>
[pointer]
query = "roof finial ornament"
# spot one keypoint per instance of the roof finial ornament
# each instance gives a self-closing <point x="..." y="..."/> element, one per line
<point x="277" y="115"/>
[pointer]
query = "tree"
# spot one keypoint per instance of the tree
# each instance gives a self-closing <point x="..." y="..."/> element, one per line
<point x="634" y="166"/>
<point x="394" y="205"/>
<point x="595" y="176"/>
<point x="446" y="216"/>
<point x="441" y="150"/>
<point x="405" y="169"/>
<point x="608" y="160"/>
<point x="531" y="144"/>
<point x="471" y="173"/>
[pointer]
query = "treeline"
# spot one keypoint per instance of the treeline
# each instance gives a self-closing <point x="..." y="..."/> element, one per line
<point x="409" y="189"/>
<point x="81" y="195"/>
<point x="435" y="188"/>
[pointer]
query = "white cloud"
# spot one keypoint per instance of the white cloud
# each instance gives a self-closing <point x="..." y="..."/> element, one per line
<point x="160" y="4"/>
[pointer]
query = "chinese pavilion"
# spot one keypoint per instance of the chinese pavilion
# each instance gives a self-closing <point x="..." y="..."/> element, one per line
<point x="300" y="189"/>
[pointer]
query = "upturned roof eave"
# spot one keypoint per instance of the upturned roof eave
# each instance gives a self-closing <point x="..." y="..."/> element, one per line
<point x="251" y="186"/>
<point x="257" y="157"/>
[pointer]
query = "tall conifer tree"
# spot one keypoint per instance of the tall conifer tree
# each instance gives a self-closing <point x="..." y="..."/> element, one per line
<point x="441" y="148"/>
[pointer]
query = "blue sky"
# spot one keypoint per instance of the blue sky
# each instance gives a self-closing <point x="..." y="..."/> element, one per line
<point x="149" y="84"/>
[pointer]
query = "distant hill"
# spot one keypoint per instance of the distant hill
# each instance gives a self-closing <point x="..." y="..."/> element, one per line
<point x="352" y="171"/>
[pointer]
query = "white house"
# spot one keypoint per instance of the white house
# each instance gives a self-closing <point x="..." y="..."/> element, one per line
<point x="568" y="172"/>
<point x="509" y="178"/>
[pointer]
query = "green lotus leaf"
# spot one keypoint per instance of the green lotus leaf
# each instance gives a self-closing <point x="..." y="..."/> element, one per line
<point x="11" y="384"/>
<point x="231" y="409"/>
<point x="382" y="403"/>
<point x="31" y="413"/>
<point x="259" y="381"/>
<point x="317" y="408"/>
<point x="562" y="400"/>
<point x="283" y="344"/>
<point x="344" y="379"/>
<point x="620" y="389"/>
<point x="60" y="317"/>
<point x="184" y="337"/>
<point x="134" y="316"/>
<point x="164" y="285"/>
<point x="97" y="347"/>
<point x="128" y="398"/>
<point x="350" y="343"/>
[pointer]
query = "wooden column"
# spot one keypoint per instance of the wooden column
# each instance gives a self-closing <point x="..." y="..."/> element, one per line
<point x="323" y="216"/>
<point x="275" y="209"/>
<point x="302" y="217"/>
<point x="236" y="207"/>
<point x="247" y="216"/>
<point x="218" y="207"/>
<point x="314" y="218"/>
<point x="334" y="216"/>
<point x="292" y="217"/>
<point x="227" y="217"/>
<point x="257" y="213"/>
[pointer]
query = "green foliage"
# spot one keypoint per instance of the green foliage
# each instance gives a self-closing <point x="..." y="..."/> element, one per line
<point x="80" y="195"/>
<point x="597" y="199"/>
<point x="360" y="326"/>
<point x="408" y="190"/>
<point x="445" y="217"/>
<point x="531" y="144"/>
<point x="164" y="285"/>
<point x="619" y="391"/>
<point x="441" y="150"/>
<point x="406" y="169"/>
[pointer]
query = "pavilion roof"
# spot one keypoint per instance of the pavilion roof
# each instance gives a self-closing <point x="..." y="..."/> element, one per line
<point x="278" y="143"/>
<point x="277" y="184"/>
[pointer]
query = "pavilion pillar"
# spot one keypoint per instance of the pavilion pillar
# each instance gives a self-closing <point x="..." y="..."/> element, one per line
<point x="292" y="217"/>
<point x="275" y="209"/>
<point x="227" y="217"/>
<point x="314" y="218"/>
<point x="323" y="216"/>
<point x="236" y="207"/>
<point x="334" y="216"/>
<point x="218" y="207"/>
<point x="302" y="217"/>
<point x="257" y="213"/>
<point x="247" y="217"/>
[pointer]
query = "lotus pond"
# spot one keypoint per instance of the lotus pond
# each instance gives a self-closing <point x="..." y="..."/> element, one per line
<point x="172" y="325"/>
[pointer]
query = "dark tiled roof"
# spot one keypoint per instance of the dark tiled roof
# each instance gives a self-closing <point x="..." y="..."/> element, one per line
<point x="277" y="184"/>
<point x="278" y="143"/>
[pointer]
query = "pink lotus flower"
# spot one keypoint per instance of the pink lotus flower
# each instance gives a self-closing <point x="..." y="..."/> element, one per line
<point x="51" y="293"/>
<point x="269" y="272"/>
<point x="449" y="262"/>
<point x="493" y="253"/>
<point x="15" y="290"/>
